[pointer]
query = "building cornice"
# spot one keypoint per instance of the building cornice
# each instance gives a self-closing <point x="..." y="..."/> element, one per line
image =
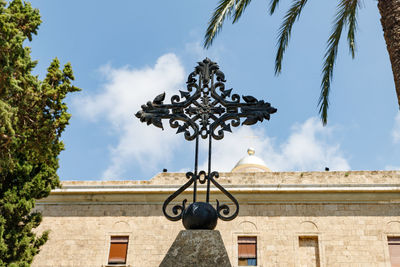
<point x="251" y="194"/>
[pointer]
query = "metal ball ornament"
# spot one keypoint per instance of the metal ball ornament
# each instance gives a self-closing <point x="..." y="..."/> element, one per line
<point x="200" y="216"/>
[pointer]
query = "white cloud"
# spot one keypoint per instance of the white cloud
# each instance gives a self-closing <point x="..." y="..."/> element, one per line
<point x="308" y="148"/>
<point x="125" y="90"/>
<point x="396" y="129"/>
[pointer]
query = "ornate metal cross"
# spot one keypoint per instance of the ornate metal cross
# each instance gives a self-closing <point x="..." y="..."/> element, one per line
<point x="205" y="110"/>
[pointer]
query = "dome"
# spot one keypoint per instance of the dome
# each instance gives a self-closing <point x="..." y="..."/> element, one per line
<point x="251" y="163"/>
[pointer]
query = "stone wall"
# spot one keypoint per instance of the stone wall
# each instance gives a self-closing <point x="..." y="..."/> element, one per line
<point x="332" y="177"/>
<point x="339" y="233"/>
<point x="348" y="235"/>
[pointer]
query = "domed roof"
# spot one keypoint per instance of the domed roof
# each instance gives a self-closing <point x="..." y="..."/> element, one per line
<point x="251" y="163"/>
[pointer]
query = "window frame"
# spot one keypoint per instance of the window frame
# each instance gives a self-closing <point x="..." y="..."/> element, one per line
<point x="252" y="242"/>
<point x="235" y="247"/>
<point x="386" y="244"/>
<point x="108" y="246"/>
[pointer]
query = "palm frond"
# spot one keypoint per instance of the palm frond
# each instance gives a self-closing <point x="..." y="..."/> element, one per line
<point x="223" y="10"/>
<point x="273" y="5"/>
<point x="239" y="8"/>
<point x="353" y="8"/>
<point x="285" y="30"/>
<point x="342" y="18"/>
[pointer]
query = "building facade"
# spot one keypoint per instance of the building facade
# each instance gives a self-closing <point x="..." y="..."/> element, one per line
<point x="285" y="219"/>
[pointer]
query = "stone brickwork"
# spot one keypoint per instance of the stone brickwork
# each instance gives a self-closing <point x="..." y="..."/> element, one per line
<point x="200" y="248"/>
<point x="350" y="232"/>
<point x="332" y="177"/>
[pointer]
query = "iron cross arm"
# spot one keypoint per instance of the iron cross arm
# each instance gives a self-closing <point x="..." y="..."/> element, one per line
<point x="206" y="108"/>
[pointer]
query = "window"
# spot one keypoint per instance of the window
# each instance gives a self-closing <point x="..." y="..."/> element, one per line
<point x="247" y="250"/>
<point x="118" y="250"/>
<point x="309" y="251"/>
<point x="394" y="251"/>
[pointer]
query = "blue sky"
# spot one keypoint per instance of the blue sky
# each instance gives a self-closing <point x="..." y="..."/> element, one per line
<point x="124" y="53"/>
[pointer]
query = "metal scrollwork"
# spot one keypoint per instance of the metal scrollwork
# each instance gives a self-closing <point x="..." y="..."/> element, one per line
<point x="224" y="208"/>
<point x="207" y="110"/>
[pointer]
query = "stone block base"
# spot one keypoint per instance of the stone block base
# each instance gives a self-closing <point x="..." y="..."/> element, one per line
<point x="200" y="248"/>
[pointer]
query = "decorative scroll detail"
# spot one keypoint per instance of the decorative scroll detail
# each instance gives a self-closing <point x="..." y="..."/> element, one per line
<point x="206" y="107"/>
<point x="178" y="210"/>
<point x="224" y="208"/>
<point x="207" y="110"/>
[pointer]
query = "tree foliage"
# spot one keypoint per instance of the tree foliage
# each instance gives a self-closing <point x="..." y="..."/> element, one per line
<point x="32" y="118"/>
<point x="346" y="16"/>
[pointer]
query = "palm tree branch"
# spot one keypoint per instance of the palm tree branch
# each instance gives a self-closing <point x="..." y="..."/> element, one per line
<point x="273" y="5"/>
<point x="223" y="10"/>
<point x="342" y="18"/>
<point x="285" y="29"/>
<point x="353" y="8"/>
<point x="239" y="8"/>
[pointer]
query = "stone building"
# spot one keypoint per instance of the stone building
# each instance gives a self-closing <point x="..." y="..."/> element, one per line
<point x="285" y="219"/>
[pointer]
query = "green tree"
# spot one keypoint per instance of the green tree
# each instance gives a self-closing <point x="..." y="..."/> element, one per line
<point x="346" y="17"/>
<point x="32" y="118"/>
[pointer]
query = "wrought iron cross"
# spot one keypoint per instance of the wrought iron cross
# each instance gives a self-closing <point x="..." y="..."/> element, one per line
<point x="207" y="110"/>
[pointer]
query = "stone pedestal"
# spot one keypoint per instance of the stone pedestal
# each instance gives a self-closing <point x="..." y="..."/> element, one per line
<point x="197" y="248"/>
